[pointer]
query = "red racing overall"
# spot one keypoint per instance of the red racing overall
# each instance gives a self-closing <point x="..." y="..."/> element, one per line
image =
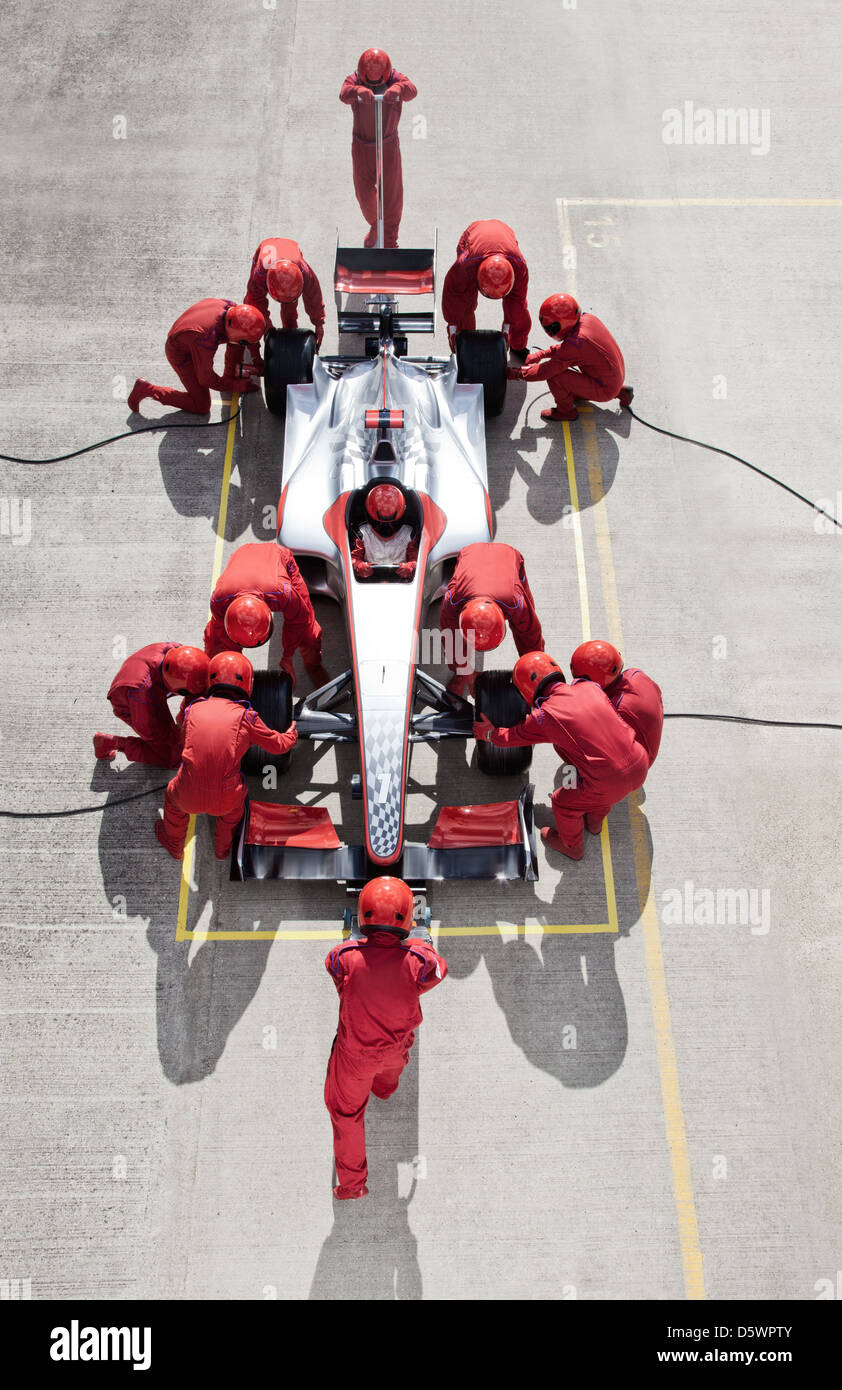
<point x="590" y="348"/>
<point x="360" y="97"/>
<point x="379" y="981"/>
<point x="269" y="572"/>
<point x="489" y="569"/>
<point x="191" y="346"/>
<point x="589" y="735"/>
<point x="139" y="697"/>
<point x="217" y="733"/>
<point x="460" y="291"/>
<point x="637" y="700"/>
<point x="268" y="253"/>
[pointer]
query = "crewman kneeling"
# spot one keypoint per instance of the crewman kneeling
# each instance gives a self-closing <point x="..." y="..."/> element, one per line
<point x="590" y="738"/>
<point x="191" y="347"/>
<point x="379" y="980"/>
<point x="586" y="363"/>
<point x="262" y="578"/>
<point x="218" y="730"/>
<point x="383" y="540"/>
<point x="488" y="589"/>
<point x="634" y="695"/>
<point x="139" y="694"/>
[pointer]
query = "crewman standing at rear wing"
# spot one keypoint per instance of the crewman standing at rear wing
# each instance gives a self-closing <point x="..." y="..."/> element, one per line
<point x="262" y="578"/>
<point x="191" y="346"/>
<point x="490" y="263"/>
<point x="379" y="980"/>
<point x="585" y="364"/>
<point x="375" y="74"/>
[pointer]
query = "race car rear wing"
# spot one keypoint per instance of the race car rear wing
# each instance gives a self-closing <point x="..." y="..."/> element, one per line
<point x="380" y="275"/>
<point x="367" y="270"/>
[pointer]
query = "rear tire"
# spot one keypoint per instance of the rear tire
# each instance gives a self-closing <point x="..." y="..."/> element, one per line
<point x="482" y="359"/>
<point x="272" y="698"/>
<point x="288" y="355"/>
<point x="496" y="697"/>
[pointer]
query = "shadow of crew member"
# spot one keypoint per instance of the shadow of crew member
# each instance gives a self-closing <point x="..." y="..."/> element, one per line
<point x="371" y="1252"/>
<point x="199" y="1001"/>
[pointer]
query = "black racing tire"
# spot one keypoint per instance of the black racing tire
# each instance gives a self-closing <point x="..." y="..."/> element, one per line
<point x="482" y="358"/>
<point x="496" y="697"/>
<point x="272" y="698"/>
<point x="288" y="355"/>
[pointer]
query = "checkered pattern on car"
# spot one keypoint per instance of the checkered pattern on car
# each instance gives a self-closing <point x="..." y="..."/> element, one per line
<point x="383" y="743"/>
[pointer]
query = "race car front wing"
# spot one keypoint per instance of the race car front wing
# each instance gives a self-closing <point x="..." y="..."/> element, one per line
<point x="297" y="842"/>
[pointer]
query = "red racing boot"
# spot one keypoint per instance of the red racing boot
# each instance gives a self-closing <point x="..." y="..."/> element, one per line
<point x="556" y="414"/>
<point x="164" y="839"/>
<point x="553" y="840"/>
<point x="347" y="1194"/>
<point x="139" y="392"/>
<point x="105" y="747"/>
<point x="594" y="822"/>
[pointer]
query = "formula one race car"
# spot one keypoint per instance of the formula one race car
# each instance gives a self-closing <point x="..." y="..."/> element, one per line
<point x="351" y="423"/>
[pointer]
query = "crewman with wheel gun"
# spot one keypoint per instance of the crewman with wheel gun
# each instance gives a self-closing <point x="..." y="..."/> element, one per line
<point x="586" y="364"/>
<point x="589" y="736"/>
<point x="191" y="347"/>
<point x="379" y="980"/>
<point x="138" y="695"/>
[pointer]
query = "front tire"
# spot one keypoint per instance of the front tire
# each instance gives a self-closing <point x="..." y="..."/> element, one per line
<point x="288" y="356"/>
<point x="482" y="359"/>
<point x="272" y="698"/>
<point x="498" y="698"/>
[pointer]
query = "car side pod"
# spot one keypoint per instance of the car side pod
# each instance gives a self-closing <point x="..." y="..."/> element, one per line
<point x="300" y="842"/>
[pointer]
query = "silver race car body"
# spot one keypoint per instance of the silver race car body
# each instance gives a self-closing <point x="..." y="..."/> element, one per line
<point x="384" y="418"/>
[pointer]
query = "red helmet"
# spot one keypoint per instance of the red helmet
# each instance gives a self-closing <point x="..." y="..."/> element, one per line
<point x="533" y="672"/>
<point x="231" y="668"/>
<point x="248" y="621"/>
<point x="559" y="314"/>
<point x="284" y="281"/>
<point x="185" y="671"/>
<point x="244" y="324"/>
<point x="495" y="277"/>
<point x="374" y="66"/>
<point x="483" y="617"/>
<point x="386" y="904"/>
<point x="385" y="503"/>
<point x="599" y="661"/>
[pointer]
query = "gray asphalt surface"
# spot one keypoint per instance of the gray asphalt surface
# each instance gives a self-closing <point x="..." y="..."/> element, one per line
<point x="164" y="1134"/>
